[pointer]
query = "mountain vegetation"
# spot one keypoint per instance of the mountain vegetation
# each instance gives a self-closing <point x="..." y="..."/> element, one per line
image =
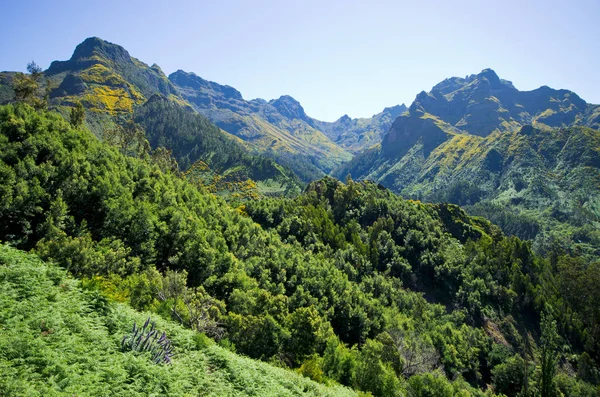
<point x="347" y="284"/>
<point x="111" y="85"/>
<point x="206" y="152"/>
<point x="279" y="127"/>
<point x="527" y="160"/>
<point x="358" y="134"/>
<point x="116" y="90"/>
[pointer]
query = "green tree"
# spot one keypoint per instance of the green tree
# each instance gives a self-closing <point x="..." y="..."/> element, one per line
<point x="509" y="376"/>
<point x="548" y="355"/>
<point x="308" y="333"/>
<point x="27" y="87"/>
<point x="77" y="115"/>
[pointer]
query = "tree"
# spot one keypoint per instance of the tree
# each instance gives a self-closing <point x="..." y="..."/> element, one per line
<point x="77" y="116"/>
<point x="309" y="333"/>
<point x="129" y="138"/>
<point x="34" y="70"/>
<point x="509" y="376"/>
<point x="164" y="159"/>
<point x="548" y="355"/>
<point x="191" y="307"/>
<point x="27" y="87"/>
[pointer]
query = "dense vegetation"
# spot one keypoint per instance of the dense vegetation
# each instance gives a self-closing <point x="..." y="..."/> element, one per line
<point x="527" y="160"/>
<point x="346" y="283"/>
<point x="57" y="338"/>
<point x="279" y="127"/>
<point x="191" y="138"/>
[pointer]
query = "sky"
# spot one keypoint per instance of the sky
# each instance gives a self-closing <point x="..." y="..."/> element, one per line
<point x="335" y="57"/>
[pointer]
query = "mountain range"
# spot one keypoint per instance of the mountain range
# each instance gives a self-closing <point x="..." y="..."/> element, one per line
<point x="128" y="196"/>
<point x="528" y="160"/>
<point x="111" y="84"/>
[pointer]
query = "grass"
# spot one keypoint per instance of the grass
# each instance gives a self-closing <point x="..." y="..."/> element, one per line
<point x="58" y="339"/>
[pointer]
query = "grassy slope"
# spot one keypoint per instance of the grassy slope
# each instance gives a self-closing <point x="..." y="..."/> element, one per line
<point x="57" y="339"/>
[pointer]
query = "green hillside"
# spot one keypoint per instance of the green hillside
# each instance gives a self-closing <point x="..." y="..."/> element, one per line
<point x="105" y="78"/>
<point x="279" y="127"/>
<point x="469" y="142"/>
<point x="355" y="135"/>
<point x="346" y="283"/>
<point x="116" y="89"/>
<point x="57" y="338"/>
<point x="195" y="141"/>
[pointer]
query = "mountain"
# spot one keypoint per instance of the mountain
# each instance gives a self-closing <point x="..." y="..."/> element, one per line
<point x="279" y="127"/>
<point x="115" y="87"/>
<point x="355" y="135"/>
<point x="111" y="85"/>
<point x="194" y="141"/>
<point x="106" y="78"/>
<point x="344" y="283"/>
<point x="483" y="103"/>
<point x="526" y="159"/>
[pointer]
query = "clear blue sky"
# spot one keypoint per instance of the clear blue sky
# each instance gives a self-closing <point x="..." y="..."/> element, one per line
<point x="335" y="57"/>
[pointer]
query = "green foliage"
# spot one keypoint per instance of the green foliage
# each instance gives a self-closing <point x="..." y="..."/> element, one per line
<point x="541" y="184"/>
<point x="77" y="115"/>
<point x="568" y="386"/>
<point x="193" y="139"/>
<point x="347" y="281"/>
<point x="27" y="87"/>
<point x="509" y="376"/>
<point x="373" y="375"/>
<point x="55" y="340"/>
<point x="548" y="356"/>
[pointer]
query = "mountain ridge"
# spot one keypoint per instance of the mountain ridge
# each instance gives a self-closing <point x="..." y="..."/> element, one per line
<point x="111" y="84"/>
<point x="468" y="138"/>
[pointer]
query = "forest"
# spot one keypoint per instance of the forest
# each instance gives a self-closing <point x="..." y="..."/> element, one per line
<point x="346" y="283"/>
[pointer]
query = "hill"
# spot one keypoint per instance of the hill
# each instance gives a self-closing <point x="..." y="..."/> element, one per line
<point x="106" y="78"/>
<point x="526" y="160"/>
<point x="346" y="283"/>
<point x="362" y="133"/>
<point x="59" y="338"/>
<point x="279" y="127"/>
<point x="204" y="151"/>
<point x="116" y="88"/>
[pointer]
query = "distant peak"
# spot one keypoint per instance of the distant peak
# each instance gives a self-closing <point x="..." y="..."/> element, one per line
<point x="92" y="50"/>
<point x="287" y="99"/>
<point x="182" y="72"/>
<point x="490" y="75"/>
<point x="195" y="82"/>
<point x="395" y="110"/>
<point x="96" y="46"/>
<point x="186" y="79"/>
<point x="488" y="71"/>
<point x="90" y="41"/>
<point x="345" y="118"/>
<point x="289" y="107"/>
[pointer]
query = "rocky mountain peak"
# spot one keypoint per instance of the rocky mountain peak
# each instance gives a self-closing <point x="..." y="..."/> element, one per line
<point x="197" y="83"/>
<point x="289" y="107"/>
<point x="490" y="76"/>
<point x="345" y="119"/>
<point x="96" y="46"/>
<point x="395" y="111"/>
